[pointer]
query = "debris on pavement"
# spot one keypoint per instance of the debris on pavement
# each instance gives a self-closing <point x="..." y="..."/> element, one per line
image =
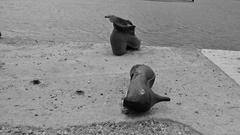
<point x="35" y="82"/>
<point x="80" y="92"/>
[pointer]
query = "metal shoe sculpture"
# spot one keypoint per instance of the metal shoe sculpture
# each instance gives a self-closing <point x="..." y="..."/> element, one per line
<point x="123" y="36"/>
<point x="140" y="97"/>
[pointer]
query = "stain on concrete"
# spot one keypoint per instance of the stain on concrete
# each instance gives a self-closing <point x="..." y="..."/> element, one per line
<point x="2" y="65"/>
<point x="18" y="41"/>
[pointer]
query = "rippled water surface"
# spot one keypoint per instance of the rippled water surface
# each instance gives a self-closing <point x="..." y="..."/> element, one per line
<point x="202" y="24"/>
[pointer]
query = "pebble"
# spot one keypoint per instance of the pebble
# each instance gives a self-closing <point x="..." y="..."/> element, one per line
<point x="35" y="82"/>
<point x="179" y="103"/>
<point x="179" y="133"/>
<point x="80" y="92"/>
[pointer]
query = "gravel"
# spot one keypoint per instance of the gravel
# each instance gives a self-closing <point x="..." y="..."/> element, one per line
<point x="144" y="127"/>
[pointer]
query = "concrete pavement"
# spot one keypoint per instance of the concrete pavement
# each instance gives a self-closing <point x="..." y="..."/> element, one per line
<point x="203" y="96"/>
<point x="228" y="61"/>
<point x="63" y="44"/>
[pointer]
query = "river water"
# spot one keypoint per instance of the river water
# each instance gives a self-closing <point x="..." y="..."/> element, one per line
<point x="211" y="24"/>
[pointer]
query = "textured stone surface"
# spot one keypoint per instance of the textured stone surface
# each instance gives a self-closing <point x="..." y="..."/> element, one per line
<point x="228" y="61"/>
<point x="144" y="127"/>
<point x="202" y="95"/>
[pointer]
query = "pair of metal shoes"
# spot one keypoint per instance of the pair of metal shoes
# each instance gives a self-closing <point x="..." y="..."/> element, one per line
<point x="139" y="97"/>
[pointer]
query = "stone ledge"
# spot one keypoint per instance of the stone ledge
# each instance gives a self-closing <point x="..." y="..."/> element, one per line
<point x="202" y="95"/>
